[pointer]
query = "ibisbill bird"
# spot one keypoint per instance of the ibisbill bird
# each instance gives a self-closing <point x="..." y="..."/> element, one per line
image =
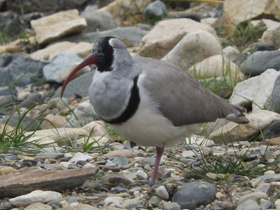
<point x="149" y="101"/>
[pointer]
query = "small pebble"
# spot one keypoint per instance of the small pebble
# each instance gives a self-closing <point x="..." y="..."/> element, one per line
<point x="162" y="192"/>
<point x="141" y="175"/>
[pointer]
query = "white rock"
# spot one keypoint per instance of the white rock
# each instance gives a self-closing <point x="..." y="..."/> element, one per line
<point x="269" y="172"/>
<point x="256" y="196"/>
<point x="141" y="175"/>
<point x="238" y="11"/>
<point x="155" y="45"/>
<point x="81" y="206"/>
<point x="83" y="113"/>
<point x="216" y="66"/>
<point x="35" y="196"/>
<point x="256" y="91"/>
<point x="188" y="154"/>
<point x="162" y="192"/>
<point x="81" y="49"/>
<point x="199" y="140"/>
<point x="193" y="48"/>
<point x="57" y="25"/>
<point x="113" y="200"/>
<point x="277" y="204"/>
<point x="80" y="157"/>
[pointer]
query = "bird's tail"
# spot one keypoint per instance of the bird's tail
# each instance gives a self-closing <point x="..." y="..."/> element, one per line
<point x="238" y="117"/>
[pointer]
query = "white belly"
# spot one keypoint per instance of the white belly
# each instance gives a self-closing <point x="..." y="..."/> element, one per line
<point x="148" y="127"/>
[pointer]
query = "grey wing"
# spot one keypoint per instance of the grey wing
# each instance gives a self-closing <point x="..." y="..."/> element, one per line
<point x="181" y="98"/>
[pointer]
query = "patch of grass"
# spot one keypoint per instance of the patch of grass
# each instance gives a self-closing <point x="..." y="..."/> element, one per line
<point x="229" y="164"/>
<point x="242" y="37"/>
<point x="222" y="85"/>
<point x="17" y="140"/>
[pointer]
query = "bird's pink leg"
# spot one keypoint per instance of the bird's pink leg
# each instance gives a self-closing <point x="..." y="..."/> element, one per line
<point x="159" y="154"/>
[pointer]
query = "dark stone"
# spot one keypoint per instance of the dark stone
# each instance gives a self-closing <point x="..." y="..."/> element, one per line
<point x="115" y="179"/>
<point x="192" y="195"/>
<point x="20" y="70"/>
<point x="50" y="6"/>
<point x="78" y="86"/>
<point x="272" y="130"/>
<point x="264" y="47"/>
<point x="10" y="24"/>
<point x="7" y="91"/>
<point x="23" y="122"/>
<point x="155" y="9"/>
<point x="260" y="61"/>
<point x="21" y="183"/>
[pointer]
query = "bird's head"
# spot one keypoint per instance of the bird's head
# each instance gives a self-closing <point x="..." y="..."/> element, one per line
<point x="102" y="56"/>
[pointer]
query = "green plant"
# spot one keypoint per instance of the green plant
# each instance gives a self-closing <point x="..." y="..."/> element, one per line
<point x="17" y="139"/>
<point x="222" y="85"/>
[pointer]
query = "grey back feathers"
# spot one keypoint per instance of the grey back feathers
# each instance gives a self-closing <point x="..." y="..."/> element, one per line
<point x="181" y="98"/>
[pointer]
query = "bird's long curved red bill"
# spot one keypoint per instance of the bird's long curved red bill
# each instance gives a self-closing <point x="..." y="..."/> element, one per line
<point x="91" y="59"/>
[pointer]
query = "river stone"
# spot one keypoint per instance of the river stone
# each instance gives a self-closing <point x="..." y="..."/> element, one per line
<point x="35" y="196"/>
<point x="155" y="45"/>
<point x="98" y="20"/>
<point x="192" y="195"/>
<point x="61" y="66"/>
<point x="260" y="61"/>
<point x="81" y="49"/>
<point x="27" y="181"/>
<point x="193" y="48"/>
<point x="155" y="9"/>
<point x="20" y="70"/>
<point x="58" y="25"/>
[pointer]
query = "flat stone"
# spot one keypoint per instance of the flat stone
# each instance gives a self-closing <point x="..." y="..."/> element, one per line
<point x="80" y="206"/>
<point x="81" y="49"/>
<point x="24" y="182"/>
<point x="123" y="8"/>
<point x="61" y="66"/>
<point x="53" y="121"/>
<point x="256" y="196"/>
<point x="35" y="196"/>
<point x="155" y="45"/>
<point x="38" y="205"/>
<point x="124" y="152"/>
<point x="57" y="25"/>
<point x="258" y="120"/>
<point x="7" y="170"/>
<point x="172" y="206"/>
<point x="248" y="205"/>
